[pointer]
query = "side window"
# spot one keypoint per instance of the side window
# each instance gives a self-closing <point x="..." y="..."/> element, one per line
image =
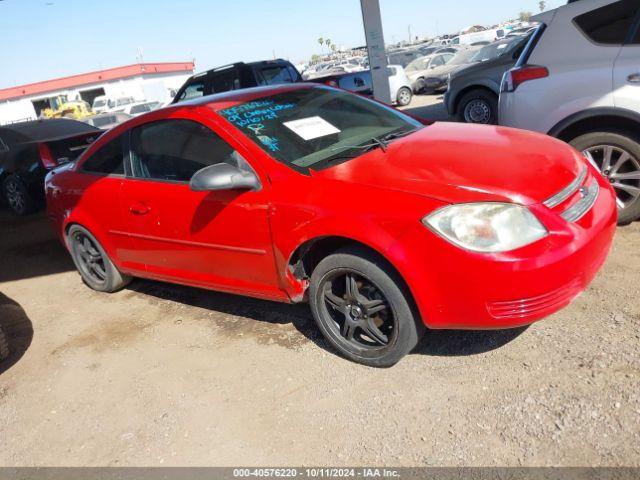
<point x="437" y="61"/>
<point x="176" y="149"/>
<point x="225" y="81"/>
<point x="193" y="90"/>
<point x="608" y="25"/>
<point x="294" y="73"/>
<point x="274" y="75"/>
<point x="108" y="160"/>
<point x="4" y="148"/>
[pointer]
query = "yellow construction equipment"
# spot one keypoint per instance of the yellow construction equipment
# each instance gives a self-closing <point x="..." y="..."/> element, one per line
<point x="60" y="107"/>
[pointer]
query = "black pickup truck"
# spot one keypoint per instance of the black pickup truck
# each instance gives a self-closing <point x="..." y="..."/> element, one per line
<point x="236" y="76"/>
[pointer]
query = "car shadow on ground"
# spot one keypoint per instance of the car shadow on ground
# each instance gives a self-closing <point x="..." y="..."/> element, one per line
<point x="29" y="249"/>
<point x="435" y="112"/>
<point x="434" y="343"/>
<point x="17" y="330"/>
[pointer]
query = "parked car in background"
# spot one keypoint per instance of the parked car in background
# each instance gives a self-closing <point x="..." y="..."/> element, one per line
<point x="237" y="76"/>
<point x="435" y="78"/>
<point x="104" y="104"/>
<point x="105" y="121"/>
<point x="136" y="109"/>
<point x="579" y="80"/>
<point x="29" y="150"/>
<point x="299" y="193"/>
<point x="360" y="82"/>
<point x="472" y="92"/>
<point x="420" y="68"/>
<point x="403" y="57"/>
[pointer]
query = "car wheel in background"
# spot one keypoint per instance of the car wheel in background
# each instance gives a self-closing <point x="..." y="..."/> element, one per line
<point x="617" y="156"/>
<point x="404" y="96"/>
<point x="363" y="308"/>
<point x="478" y="106"/>
<point x="17" y="196"/>
<point x="93" y="263"/>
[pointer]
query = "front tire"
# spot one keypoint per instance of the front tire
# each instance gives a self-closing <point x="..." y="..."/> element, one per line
<point x="478" y="106"/>
<point x="617" y="157"/>
<point x="404" y="96"/>
<point x="94" y="265"/>
<point x="17" y="196"/>
<point x="363" y="309"/>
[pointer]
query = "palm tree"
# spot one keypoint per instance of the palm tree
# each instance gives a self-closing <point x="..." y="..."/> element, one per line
<point x="321" y="42"/>
<point x="525" y="16"/>
<point x="542" y="5"/>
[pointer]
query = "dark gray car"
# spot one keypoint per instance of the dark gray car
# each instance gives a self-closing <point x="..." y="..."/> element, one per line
<point x="473" y="92"/>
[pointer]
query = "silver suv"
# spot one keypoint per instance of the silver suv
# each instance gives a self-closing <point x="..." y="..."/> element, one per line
<point x="578" y="79"/>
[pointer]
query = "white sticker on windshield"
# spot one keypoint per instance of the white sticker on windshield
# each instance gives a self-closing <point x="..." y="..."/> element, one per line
<point x="311" y="127"/>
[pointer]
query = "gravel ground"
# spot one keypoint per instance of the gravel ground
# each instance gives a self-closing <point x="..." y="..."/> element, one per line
<point x="165" y="375"/>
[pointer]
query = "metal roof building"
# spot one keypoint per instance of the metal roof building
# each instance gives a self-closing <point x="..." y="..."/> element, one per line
<point x="142" y="81"/>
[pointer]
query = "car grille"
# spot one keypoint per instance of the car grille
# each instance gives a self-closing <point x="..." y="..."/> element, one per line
<point x="579" y="196"/>
<point x="527" y="307"/>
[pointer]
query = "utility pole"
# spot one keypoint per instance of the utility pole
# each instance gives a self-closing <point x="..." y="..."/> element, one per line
<point x="409" y="30"/>
<point x="373" y="34"/>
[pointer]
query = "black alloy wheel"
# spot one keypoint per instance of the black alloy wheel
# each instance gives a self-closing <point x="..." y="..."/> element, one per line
<point x="363" y="307"/>
<point x="359" y="311"/>
<point x="94" y="265"/>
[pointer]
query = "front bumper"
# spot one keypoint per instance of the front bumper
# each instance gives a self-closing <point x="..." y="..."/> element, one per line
<point x="457" y="289"/>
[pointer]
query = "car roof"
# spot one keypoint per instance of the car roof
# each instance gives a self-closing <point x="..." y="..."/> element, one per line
<point x="46" y="130"/>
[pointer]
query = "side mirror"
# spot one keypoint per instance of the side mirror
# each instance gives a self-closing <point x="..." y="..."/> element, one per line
<point x="223" y="176"/>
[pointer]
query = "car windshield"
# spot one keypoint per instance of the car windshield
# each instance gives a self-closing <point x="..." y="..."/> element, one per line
<point x="99" y="103"/>
<point x="103" y="121"/>
<point x="492" y="51"/>
<point x="317" y="127"/>
<point x="463" y="57"/>
<point x="418" y="64"/>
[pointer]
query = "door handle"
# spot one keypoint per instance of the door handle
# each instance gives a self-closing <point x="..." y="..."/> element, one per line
<point x="634" y="78"/>
<point x="139" y="209"/>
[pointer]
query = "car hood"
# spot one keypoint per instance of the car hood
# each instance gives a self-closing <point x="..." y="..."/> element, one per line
<point x="458" y="163"/>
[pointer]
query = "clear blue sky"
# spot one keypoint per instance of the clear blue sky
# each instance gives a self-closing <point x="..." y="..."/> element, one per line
<point x="44" y="39"/>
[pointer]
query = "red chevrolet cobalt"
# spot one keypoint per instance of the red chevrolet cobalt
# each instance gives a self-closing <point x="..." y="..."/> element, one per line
<point x="384" y="225"/>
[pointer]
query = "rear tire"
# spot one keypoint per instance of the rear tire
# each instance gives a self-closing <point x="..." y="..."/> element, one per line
<point x="404" y="96"/>
<point x="363" y="308"/>
<point x="618" y="153"/>
<point x="478" y="106"/>
<point x="17" y="196"/>
<point x="94" y="265"/>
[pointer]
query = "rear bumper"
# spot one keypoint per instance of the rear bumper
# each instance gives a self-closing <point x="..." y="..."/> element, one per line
<point x="457" y="289"/>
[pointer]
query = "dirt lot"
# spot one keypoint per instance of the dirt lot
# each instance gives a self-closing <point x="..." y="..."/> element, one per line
<point x="166" y="375"/>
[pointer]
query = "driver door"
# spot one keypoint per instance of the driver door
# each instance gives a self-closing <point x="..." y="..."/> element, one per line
<point x="216" y="239"/>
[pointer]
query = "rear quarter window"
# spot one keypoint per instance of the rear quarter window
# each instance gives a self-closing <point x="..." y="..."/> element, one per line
<point x="108" y="160"/>
<point x="608" y="25"/>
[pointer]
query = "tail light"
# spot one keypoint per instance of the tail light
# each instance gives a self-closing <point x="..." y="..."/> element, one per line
<point x="46" y="157"/>
<point x="519" y="75"/>
<point x="331" y="83"/>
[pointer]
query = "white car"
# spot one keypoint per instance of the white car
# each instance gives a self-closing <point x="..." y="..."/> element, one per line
<point x="578" y="79"/>
<point x="420" y="68"/>
<point x="135" y="109"/>
<point x="104" y="104"/>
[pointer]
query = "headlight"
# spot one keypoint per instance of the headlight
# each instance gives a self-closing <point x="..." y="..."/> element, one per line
<point x="486" y="227"/>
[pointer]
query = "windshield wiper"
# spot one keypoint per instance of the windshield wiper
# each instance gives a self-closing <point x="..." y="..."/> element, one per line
<point x="394" y="135"/>
<point x="377" y="143"/>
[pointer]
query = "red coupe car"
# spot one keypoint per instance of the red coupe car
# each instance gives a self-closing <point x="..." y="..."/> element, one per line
<point x="383" y="224"/>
